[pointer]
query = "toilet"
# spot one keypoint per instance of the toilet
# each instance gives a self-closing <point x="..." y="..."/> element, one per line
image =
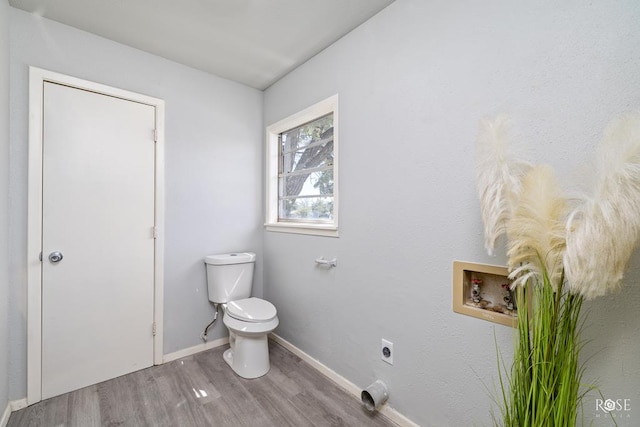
<point x="249" y="319"/>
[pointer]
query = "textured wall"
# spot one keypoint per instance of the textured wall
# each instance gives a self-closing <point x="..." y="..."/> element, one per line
<point x="213" y="168"/>
<point x="414" y="82"/>
<point x="4" y="204"/>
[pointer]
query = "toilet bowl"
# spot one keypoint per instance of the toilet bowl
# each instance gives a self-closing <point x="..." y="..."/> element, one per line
<point x="249" y="319"/>
<point x="249" y="322"/>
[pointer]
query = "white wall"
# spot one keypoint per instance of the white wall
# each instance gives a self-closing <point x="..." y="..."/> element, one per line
<point x="213" y="168"/>
<point x="414" y="82"/>
<point x="4" y="204"/>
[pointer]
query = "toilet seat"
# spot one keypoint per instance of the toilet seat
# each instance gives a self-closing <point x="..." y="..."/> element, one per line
<point x="252" y="310"/>
<point x="252" y="329"/>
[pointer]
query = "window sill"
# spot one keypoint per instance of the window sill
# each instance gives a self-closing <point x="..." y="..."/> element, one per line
<point x="308" y="229"/>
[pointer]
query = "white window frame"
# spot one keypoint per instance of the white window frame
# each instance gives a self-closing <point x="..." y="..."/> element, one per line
<point x="330" y="229"/>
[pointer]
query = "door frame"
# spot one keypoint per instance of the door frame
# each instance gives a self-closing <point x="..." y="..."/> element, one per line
<point x="37" y="79"/>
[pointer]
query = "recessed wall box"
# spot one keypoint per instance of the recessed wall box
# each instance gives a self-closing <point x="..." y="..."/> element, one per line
<point x="482" y="291"/>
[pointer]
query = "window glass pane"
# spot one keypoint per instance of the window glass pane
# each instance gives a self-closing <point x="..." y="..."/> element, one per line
<point x="308" y="158"/>
<point x="307" y="208"/>
<point x="308" y="133"/>
<point x="307" y="146"/>
<point x="305" y="182"/>
<point x="308" y="184"/>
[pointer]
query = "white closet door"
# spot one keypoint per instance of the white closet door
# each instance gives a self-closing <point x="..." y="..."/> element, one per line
<point x="98" y="213"/>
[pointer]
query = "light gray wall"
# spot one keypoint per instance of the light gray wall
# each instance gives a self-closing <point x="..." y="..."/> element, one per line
<point x="414" y="82"/>
<point x="4" y="204"/>
<point x="213" y="168"/>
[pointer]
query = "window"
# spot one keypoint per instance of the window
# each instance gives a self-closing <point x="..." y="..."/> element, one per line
<point x="302" y="172"/>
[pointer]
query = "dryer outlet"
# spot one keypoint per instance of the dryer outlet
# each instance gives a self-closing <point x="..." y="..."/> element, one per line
<point x="386" y="351"/>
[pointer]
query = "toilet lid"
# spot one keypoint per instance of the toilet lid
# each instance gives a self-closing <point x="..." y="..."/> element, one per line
<point x="251" y="310"/>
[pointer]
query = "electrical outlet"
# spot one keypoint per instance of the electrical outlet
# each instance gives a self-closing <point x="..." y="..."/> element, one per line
<point x="386" y="351"/>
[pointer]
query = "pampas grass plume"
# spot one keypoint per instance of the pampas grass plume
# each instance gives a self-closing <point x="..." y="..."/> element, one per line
<point x="498" y="176"/>
<point x="536" y="230"/>
<point x="602" y="232"/>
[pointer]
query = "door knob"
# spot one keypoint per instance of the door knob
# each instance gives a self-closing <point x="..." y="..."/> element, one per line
<point x="55" y="257"/>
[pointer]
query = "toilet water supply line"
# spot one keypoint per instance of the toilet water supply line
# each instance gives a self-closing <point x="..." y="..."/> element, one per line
<point x="203" y="335"/>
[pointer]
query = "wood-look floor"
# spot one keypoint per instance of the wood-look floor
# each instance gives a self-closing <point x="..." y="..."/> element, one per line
<point x="201" y="390"/>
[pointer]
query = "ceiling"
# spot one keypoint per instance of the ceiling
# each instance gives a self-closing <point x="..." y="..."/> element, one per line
<point x="254" y="42"/>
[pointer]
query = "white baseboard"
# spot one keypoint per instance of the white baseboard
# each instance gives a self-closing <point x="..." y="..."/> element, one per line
<point x="12" y="406"/>
<point x="193" y="350"/>
<point x="5" y="415"/>
<point x="342" y="382"/>
<point x="16" y="405"/>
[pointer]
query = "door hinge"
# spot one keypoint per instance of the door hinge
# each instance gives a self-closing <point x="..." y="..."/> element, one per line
<point x="155" y="232"/>
<point x="155" y="135"/>
<point x="153" y="329"/>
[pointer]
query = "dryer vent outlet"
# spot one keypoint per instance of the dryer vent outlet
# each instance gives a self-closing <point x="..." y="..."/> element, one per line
<point x="387" y="351"/>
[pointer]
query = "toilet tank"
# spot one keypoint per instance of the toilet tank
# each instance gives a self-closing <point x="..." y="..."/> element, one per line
<point x="229" y="276"/>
